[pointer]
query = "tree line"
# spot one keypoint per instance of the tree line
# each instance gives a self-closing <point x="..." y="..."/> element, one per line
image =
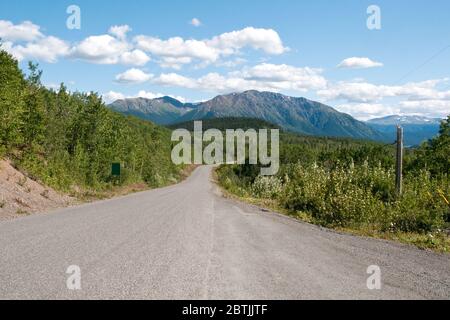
<point x="69" y="140"/>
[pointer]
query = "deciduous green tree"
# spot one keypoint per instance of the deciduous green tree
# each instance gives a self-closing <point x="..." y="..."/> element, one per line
<point x="11" y="102"/>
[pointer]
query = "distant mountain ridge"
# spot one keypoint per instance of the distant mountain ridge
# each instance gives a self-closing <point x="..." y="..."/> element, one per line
<point x="417" y="129"/>
<point x="290" y="113"/>
<point x="164" y="110"/>
<point x="405" y="119"/>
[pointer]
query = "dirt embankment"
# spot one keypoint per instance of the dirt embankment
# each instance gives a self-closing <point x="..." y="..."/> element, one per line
<point x="19" y="195"/>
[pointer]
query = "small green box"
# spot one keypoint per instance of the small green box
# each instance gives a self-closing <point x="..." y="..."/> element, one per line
<point x="115" y="169"/>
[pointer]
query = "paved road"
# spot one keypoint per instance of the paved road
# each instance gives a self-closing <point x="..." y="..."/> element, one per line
<point x="188" y="242"/>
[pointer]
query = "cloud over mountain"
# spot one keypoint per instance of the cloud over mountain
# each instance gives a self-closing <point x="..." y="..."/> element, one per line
<point x="260" y="77"/>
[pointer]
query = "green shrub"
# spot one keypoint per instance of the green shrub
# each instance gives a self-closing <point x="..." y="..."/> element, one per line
<point x="267" y="187"/>
<point x="351" y="196"/>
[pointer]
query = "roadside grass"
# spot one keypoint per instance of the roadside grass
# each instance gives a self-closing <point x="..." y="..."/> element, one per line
<point x="113" y="191"/>
<point x="435" y="241"/>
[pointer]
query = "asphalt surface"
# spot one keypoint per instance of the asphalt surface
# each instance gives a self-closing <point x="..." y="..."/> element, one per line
<point x="188" y="242"/>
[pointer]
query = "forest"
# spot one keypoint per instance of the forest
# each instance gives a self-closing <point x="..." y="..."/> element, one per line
<point x="69" y="140"/>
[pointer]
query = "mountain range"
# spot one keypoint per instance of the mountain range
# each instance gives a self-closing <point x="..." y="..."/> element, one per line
<point x="290" y="113"/>
<point x="298" y="115"/>
<point x="416" y="129"/>
<point x="163" y="111"/>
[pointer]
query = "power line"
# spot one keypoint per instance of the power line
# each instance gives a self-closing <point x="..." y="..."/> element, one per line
<point x="424" y="63"/>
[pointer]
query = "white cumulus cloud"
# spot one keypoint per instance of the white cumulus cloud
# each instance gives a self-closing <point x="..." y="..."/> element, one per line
<point x="120" y="31"/>
<point x="267" y="40"/>
<point x="47" y="49"/>
<point x="25" y="31"/>
<point x="136" y="58"/>
<point x="285" y="76"/>
<point x="195" y="22"/>
<point x="260" y="77"/>
<point x="110" y="49"/>
<point x="112" y="96"/>
<point x="366" y="111"/>
<point x="25" y="40"/>
<point x="133" y="76"/>
<point x="102" y="49"/>
<point x="359" y="63"/>
<point x="364" y="92"/>
<point x="176" y="51"/>
<point x="366" y="100"/>
<point x="430" y="108"/>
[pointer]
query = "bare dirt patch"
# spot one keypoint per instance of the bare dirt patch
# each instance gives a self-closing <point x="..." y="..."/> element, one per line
<point x="20" y="195"/>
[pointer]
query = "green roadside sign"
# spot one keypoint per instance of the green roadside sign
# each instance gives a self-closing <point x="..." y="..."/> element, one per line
<point x="115" y="169"/>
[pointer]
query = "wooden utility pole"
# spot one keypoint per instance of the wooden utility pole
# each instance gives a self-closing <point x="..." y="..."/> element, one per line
<point x="399" y="164"/>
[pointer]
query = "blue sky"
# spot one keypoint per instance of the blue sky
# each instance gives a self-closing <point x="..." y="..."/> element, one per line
<point x="322" y="50"/>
